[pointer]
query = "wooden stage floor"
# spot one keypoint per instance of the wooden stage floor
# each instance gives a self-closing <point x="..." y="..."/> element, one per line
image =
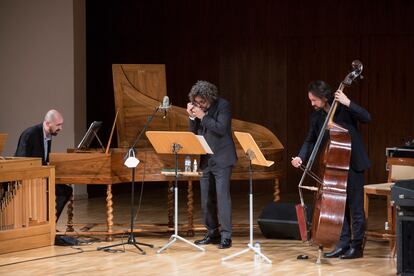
<point x="182" y="258"/>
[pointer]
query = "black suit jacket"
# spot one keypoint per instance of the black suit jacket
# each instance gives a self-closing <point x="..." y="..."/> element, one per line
<point x="216" y="129"/>
<point x="31" y="144"/>
<point x="347" y="117"/>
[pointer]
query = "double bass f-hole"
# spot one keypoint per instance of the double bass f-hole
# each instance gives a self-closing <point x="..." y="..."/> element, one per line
<point x="330" y="195"/>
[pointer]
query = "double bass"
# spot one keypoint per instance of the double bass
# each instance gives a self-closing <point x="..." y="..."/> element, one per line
<point x="330" y="192"/>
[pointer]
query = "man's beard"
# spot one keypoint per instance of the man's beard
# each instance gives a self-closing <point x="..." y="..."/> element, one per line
<point x="54" y="133"/>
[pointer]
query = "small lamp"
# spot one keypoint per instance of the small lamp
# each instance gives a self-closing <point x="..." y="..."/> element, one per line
<point x="131" y="161"/>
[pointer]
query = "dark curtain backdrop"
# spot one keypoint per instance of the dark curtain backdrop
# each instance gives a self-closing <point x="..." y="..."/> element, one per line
<point x="262" y="55"/>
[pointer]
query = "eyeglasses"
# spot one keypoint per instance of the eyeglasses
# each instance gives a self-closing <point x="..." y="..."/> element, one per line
<point x="200" y="102"/>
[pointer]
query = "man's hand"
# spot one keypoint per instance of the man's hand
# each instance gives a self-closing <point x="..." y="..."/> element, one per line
<point x="198" y="112"/>
<point x="194" y="111"/>
<point x="296" y="162"/>
<point x="342" y="98"/>
<point x="190" y="112"/>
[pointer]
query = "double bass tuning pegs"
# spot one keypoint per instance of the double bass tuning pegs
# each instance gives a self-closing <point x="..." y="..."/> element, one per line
<point x="355" y="74"/>
<point x="357" y="64"/>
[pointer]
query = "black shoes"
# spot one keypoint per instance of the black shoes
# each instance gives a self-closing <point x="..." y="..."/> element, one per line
<point x="208" y="240"/>
<point x="335" y="253"/>
<point x="352" y="253"/>
<point x="222" y="243"/>
<point x="225" y="243"/>
<point x="344" y="253"/>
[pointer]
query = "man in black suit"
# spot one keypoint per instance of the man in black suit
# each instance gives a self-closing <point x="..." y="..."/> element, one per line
<point x="348" y="114"/>
<point x="210" y="116"/>
<point x="36" y="141"/>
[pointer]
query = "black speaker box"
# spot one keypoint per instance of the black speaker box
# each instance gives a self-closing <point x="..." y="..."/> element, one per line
<point x="279" y="221"/>
<point x="405" y="242"/>
<point x="403" y="197"/>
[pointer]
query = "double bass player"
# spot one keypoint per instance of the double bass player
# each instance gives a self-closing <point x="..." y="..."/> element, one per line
<point x="348" y="114"/>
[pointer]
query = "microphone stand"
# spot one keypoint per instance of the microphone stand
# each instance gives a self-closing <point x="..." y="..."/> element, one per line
<point x="131" y="238"/>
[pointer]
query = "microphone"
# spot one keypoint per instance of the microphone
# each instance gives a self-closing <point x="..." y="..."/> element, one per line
<point x="165" y="105"/>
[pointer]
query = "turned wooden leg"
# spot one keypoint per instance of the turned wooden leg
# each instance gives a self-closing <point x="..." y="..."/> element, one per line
<point x="170" y="205"/>
<point x="69" y="225"/>
<point x="109" y="211"/>
<point x="276" y="194"/>
<point x="190" y="201"/>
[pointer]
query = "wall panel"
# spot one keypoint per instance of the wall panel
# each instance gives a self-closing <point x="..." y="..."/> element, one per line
<point x="262" y="55"/>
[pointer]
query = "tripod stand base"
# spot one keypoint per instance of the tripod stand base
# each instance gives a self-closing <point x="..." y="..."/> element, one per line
<point x="249" y="247"/>
<point x="174" y="238"/>
<point x="131" y="240"/>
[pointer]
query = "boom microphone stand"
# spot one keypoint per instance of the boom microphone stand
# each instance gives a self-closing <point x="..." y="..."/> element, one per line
<point x="132" y="162"/>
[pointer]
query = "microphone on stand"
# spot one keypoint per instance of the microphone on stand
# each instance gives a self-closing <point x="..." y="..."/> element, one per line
<point x="165" y="105"/>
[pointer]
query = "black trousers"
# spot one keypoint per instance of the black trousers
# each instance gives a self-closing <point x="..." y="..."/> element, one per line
<point x="63" y="194"/>
<point x="216" y="200"/>
<point x="353" y="229"/>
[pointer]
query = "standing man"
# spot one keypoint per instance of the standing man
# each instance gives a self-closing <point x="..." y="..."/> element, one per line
<point x="36" y="141"/>
<point x="348" y="114"/>
<point x="210" y="116"/>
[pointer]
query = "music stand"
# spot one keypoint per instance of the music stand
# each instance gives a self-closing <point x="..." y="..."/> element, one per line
<point x="90" y="134"/>
<point x="255" y="157"/>
<point x="177" y="142"/>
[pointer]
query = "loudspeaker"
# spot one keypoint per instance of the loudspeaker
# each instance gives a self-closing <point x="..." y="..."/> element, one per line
<point x="279" y="221"/>
<point x="403" y="197"/>
<point x="405" y="242"/>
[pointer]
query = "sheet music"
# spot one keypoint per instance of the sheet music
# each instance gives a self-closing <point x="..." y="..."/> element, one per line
<point x="203" y="142"/>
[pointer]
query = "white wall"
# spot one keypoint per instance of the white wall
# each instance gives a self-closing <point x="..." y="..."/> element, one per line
<point x="42" y="66"/>
<point x="36" y="67"/>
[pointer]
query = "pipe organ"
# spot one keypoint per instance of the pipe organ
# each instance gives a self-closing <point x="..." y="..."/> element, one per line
<point x="27" y="204"/>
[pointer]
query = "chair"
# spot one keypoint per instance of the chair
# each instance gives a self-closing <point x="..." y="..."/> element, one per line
<point x="398" y="169"/>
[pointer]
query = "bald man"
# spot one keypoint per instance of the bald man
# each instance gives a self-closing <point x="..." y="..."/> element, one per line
<point x="36" y="141"/>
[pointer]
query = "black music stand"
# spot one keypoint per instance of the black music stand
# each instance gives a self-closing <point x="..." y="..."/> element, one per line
<point x="90" y="134"/>
<point x="177" y="142"/>
<point x="255" y="157"/>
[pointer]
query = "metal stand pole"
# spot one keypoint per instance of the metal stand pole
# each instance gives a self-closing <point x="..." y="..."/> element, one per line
<point x="250" y="245"/>
<point x="175" y="236"/>
<point x="320" y="255"/>
<point x="131" y="238"/>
